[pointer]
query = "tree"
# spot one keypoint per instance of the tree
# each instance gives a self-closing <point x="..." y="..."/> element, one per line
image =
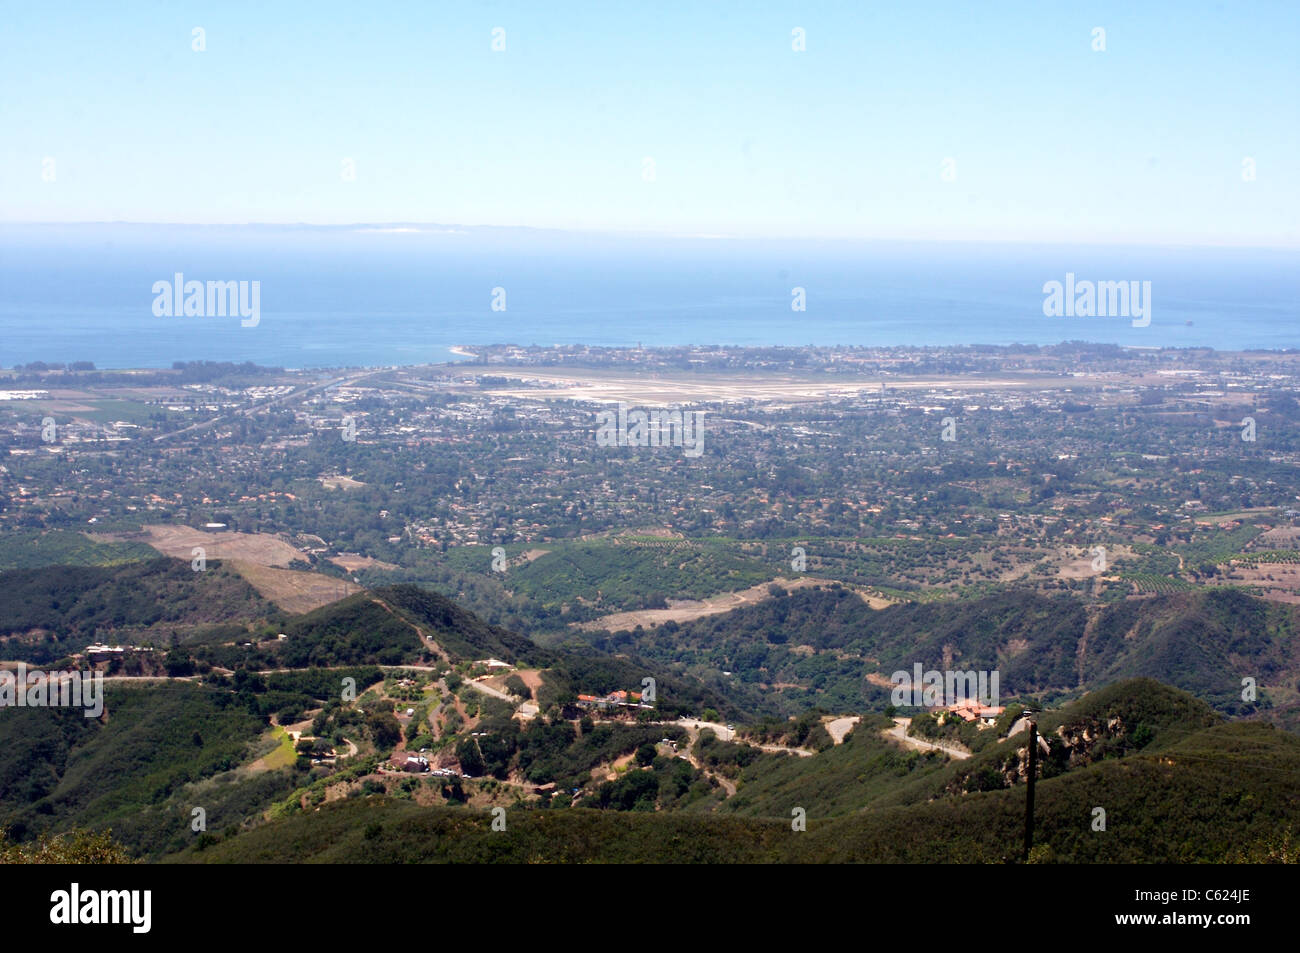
<point x="74" y="847"/>
<point x="646" y="754"/>
<point x="385" y="731"/>
<point x="516" y="686"/>
<point x="471" y="762"/>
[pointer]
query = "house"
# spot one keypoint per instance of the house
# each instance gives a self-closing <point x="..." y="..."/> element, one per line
<point x="102" y="653"/>
<point x="972" y="711"/>
<point x="416" y="763"/>
<point x="615" y="699"/>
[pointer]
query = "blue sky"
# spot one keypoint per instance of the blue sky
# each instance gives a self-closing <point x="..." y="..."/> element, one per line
<point x="1051" y="140"/>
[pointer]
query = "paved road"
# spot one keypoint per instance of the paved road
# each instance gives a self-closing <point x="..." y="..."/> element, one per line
<point x="1021" y="725"/>
<point x="693" y="728"/>
<point x="694" y="725"/>
<point x="899" y="733"/>
<point x="327" y="668"/>
<point x="488" y="690"/>
<point x="840" y="727"/>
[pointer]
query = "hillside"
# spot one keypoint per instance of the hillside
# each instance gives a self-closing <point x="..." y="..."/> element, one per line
<point x="127" y="771"/>
<point x="1221" y="793"/>
<point x="1204" y="642"/>
<point x="641" y="783"/>
<point x="820" y="644"/>
<point x="461" y="634"/>
<point x="592" y="577"/>
<point x="1204" y="801"/>
<point x="33" y="549"/>
<point x="160" y="750"/>
<point x="49" y="612"/>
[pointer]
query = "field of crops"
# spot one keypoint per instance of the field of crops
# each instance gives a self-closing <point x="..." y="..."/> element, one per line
<point x="1266" y="556"/>
<point x="1150" y="582"/>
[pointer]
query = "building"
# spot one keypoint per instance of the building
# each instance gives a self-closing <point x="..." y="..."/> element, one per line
<point x="973" y="711"/>
<point x="614" y="700"/>
<point x="106" y="653"/>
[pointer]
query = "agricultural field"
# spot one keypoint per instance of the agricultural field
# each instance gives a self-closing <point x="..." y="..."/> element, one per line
<point x="29" y="550"/>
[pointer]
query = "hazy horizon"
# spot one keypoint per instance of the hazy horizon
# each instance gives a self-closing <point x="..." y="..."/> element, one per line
<point x="342" y="296"/>
<point x="1169" y="123"/>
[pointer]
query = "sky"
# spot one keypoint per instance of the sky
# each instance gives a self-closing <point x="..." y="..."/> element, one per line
<point x="995" y="121"/>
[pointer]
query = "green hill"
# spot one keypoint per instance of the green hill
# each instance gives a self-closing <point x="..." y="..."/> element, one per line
<point x="1201" y="802"/>
<point x="819" y="644"/>
<point x="462" y="634"/>
<point x="32" y="549"/>
<point x="353" y="631"/>
<point x="380" y="830"/>
<point x="1195" y="790"/>
<point x="593" y="577"/>
<point x="48" y="613"/>
<point x="134" y="770"/>
<point x="1204" y="642"/>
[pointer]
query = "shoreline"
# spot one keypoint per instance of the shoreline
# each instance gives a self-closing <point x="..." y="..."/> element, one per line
<point x="598" y="358"/>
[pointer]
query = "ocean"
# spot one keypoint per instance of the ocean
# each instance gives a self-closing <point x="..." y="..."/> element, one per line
<point x="391" y="295"/>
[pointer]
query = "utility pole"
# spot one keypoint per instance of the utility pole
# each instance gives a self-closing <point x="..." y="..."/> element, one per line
<point x="1029" y="791"/>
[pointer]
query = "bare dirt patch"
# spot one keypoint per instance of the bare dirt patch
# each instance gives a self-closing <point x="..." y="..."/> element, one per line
<point x="1278" y="582"/>
<point x="340" y="483"/>
<point x="295" y="591"/>
<point x="1281" y="537"/>
<point x="258" y="557"/>
<point x="1016" y="646"/>
<point x="352" y="562"/>
<point x="689" y="609"/>
<point x="180" y="542"/>
<point x="532" y="678"/>
<point x="610" y="772"/>
<point x="1076" y="565"/>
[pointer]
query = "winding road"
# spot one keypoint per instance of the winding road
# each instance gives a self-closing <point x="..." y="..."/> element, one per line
<point x="899" y="733"/>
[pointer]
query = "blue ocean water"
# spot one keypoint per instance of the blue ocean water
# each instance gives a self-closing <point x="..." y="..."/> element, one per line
<point x="354" y="296"/>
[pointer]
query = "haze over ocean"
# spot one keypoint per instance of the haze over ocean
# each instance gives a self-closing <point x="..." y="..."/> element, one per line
<point x="384" y="295"/>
